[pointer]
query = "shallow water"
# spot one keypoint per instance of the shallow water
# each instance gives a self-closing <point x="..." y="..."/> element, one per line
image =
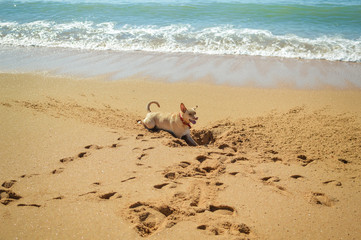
<point x="313" y="29"/>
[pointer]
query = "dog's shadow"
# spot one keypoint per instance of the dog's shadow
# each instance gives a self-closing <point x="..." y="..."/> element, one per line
<point x="157" y="130"/>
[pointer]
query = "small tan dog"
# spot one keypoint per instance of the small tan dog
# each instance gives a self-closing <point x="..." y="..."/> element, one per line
<point x="177" y="124"/>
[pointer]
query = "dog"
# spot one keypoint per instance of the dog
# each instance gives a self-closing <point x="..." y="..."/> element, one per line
<point x="178" y="124"/>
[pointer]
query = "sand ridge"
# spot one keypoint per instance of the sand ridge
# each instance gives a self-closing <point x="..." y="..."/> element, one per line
<point x="281" y="175"/>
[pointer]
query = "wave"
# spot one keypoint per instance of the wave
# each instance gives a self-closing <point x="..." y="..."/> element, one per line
<point x="181" y="38"/>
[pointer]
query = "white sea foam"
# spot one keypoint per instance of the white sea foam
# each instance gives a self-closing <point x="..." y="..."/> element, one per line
<point x="177" y="38"/>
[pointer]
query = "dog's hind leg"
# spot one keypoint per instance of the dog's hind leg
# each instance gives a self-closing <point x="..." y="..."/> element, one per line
<point x="149" y="123"/>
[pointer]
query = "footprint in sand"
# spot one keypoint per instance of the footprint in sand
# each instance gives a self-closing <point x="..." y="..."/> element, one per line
<point x="8" y="184"/>
<point x="226" y="227"/>
<point x="28" y="205"/>
<point x="238" y="159"/>
<point x="337" y="183"/>
<point x="142" y="156"/>
<point x="88" y="193"/>
<point x="110" y="195"/>
<point x="29" y="175"/>
<point x="201" y="158"/>
<point x="66" y="160"/>
<point x="125" y="180"/>
<point x="149" y="148"/>
<point x="115" y="145"/>
<point x="184" y="164"/>
<point x="93" y="146"/>
<point x="57" y="171"/>
<point x="59" y="198"/>
<point x="83" y="154"/>
<point x="148" y="218"/>
<point x="344" y="161"/>
<point x="160" y="186"/>
<point x="304" y="160"/>
<point x="70" y="159"/>
<point x="222" y="209"/>
<point x="8" y="196"/>
<point x="270" y="179"/>
<point x="321" y="199"/>
<point x="296" y="176"/>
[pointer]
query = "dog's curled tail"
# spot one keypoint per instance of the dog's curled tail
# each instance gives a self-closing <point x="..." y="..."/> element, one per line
<point x="148" y="106"/>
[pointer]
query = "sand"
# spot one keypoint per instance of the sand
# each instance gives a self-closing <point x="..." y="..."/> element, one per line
<point x="272" y="164"/>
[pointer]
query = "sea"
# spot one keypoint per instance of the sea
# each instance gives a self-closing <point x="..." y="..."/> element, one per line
<point x="117" y="29"/>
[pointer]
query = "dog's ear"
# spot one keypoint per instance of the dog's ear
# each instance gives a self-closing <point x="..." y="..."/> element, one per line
<point x="183" y="108"/>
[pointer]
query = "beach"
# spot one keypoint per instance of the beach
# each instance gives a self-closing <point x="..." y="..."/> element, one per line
<point x="272" y="163"/>
<point x="277" y="91"/>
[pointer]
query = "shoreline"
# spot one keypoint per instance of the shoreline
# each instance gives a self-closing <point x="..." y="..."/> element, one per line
<point x="241" y="71"/>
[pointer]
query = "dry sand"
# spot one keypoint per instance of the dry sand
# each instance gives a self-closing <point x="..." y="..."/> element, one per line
<point x="273" y="164"/>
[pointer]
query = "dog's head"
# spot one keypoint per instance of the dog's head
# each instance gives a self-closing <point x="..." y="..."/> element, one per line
<point x="189" y="115"/>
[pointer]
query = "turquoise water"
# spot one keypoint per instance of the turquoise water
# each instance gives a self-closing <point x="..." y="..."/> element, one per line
<point x="308" y="29"/>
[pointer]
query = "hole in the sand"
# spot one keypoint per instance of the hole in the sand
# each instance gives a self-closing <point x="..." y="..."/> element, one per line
<point x="201" y="158"/>
<point x="65" y="160"/>
<point x="131" y="178"/>
<point x="276" y="159"/>
<point x="219" y="183"/>
<point x="208" y="169"/>
<point x="29" y="205"/>
<point x="343" y="160"/>
<point x="184" y="164"/>
<point x="57" y="171"/>
<point x="170" y="224"/>
<point x="6" y="201"/>
<point x="239" y="159"/>
<point x="222" y="209"/>
<point x="135" y="205"/>
<point x="165" y="210"/>
<point x="202" y="227"/>
<point x="141" y="156"/>
<point x="223" y="146"/>
<point x="160" y="186"/>
<point x="59" y="198"/>
<point x="107" y="195"/>
<point x="203" y="137"/>
<point x="266" y="178"/>
<point x="302" y="157"/>
<point x="233" y="173"/>
<point x="144" y="216"/>
<point x="170" y="175"/>
<point x="296" y="176"/>
<point x="82" y="154"/>
<point x="13" y="195"/>
<point x="139" y="136"/>
<point x="243" y="228"/>
<point x="91" y="146"/>
<point x="271" y="151"/>
<point x="8" y="184"/>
